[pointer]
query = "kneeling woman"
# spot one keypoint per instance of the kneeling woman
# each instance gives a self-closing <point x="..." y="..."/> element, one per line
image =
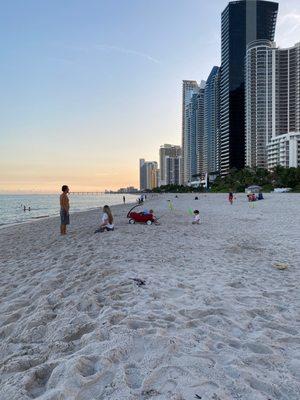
<point x="107" y="221"/>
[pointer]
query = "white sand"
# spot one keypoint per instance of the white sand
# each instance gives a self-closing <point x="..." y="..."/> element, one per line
<point x="214" y="318"/>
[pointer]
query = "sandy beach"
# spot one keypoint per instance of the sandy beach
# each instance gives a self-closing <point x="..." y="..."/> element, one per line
<point x="215" y="319"/>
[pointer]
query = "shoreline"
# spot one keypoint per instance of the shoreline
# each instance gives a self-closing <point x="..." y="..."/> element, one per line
<point x="44" y="218"/>
<point x="151" y="196"/>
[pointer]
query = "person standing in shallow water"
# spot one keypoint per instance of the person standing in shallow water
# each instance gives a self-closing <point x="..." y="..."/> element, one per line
<point x="64" y="210"/>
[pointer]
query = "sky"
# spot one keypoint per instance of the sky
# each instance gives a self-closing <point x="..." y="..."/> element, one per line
<point x="90" y="86"/>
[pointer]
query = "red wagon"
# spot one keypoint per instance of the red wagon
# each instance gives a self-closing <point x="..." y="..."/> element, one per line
<point x="140" y="217"/>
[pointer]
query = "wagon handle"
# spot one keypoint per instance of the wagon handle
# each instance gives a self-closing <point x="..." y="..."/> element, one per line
<point x="137" y="205"/>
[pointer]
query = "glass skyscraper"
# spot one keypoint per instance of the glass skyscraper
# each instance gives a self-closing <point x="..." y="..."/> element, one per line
<point x="192" y="130"/>
<point x="242" y="22"/>
<point x="212" y="122"/>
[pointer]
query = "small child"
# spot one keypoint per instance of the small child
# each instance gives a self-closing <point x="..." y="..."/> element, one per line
<point x="196" y="220"/>
<point x="155" y="220"/>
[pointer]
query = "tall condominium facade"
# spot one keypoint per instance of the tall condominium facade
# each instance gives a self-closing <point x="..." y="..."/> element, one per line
<point x="242" y="22"/>
<point x="173" y="166"/>
<point x="284" y="150"/>
<point x="260" y="101"/>
<point x="192" y="129"/>
<point x="272" y="103"/>
<point x="167" y="150"/>
<point x="211" y="147"/>
<point x="148" y="174"/>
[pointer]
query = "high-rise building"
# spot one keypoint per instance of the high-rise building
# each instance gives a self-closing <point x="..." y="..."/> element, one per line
<point x="192" y="129"/>
<point x="211" y="148"/>
<point x="148" y="174"/>
<point x="243" y="21"/>
<point x="188" y="89"/>
<point x="173" y="170"/>
<point x="284" y="150"/>
<point x="167" y="150"/>
<point x="272" y="102"/>
<point x="199" y="168"/>
<point x="260" y="101"/>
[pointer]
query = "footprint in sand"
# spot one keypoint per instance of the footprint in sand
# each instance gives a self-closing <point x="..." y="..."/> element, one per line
<point x="87" y="366"/>
<point x="36" y="381"/>
<point x="133" y="377"/>
<point x="258" y="348"/>
<point x="78" y="332"/>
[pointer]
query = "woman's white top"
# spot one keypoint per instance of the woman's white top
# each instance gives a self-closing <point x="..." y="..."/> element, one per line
<point x="105" y="219"/>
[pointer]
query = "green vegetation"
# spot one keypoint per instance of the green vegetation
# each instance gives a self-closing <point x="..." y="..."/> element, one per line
<point x="238" y="180"/>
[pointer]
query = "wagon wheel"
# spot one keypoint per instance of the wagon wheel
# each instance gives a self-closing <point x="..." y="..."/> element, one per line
<point x="131" y="221"/>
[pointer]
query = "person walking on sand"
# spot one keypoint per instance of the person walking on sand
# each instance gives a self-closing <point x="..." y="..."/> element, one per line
<point x="230" y="198"/>
<point x="64" y="210"/>
<point x="124" y="200"/>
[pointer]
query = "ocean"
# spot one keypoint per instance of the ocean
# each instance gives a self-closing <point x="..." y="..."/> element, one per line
<point x="47" y="205"/>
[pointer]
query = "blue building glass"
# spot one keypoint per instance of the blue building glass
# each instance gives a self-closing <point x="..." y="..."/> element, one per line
<point x="242" y="22"/>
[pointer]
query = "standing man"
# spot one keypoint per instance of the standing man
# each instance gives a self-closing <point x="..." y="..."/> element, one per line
<point x="64" y="210"/>
<point x="124" y="200"/>
<point x="230" y="198"/>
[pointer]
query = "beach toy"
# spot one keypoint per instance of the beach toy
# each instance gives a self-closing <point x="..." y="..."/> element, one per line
<point x="170" y="205"/>
<point x="280" y="266"/>
<point x="190" y="211"/>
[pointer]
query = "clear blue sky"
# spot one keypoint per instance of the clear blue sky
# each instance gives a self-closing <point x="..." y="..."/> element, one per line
<point x="89" y="86"/>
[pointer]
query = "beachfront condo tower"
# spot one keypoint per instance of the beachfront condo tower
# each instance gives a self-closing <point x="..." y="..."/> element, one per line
<point x="272" y="104"/>
<point x="173" y="152"/>
<point x="192" y="129"/>
<point x="148" y="174"/>
<point x="211" y="147"/>
<point x="242" y="22"/>
<point x="173" y="170"/>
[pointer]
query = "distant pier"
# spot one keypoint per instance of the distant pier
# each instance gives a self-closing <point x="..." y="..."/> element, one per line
<point x="99" y="193"/>
<point x="89" y="193"/>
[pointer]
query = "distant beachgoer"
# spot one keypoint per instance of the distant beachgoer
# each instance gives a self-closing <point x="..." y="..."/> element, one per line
<point x="124" y="200"/>
<point x="24" y="208"/>
<point x="64" y="210"/>
<point x="230" y="198"/>
<point x="107" y="221"/>
<point x="196" y="198"/>
<point x="196" y="220"/>
<point x="29" y="209"/>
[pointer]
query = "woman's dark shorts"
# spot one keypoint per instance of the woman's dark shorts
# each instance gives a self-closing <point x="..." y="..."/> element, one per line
<point x="64" y="217"/>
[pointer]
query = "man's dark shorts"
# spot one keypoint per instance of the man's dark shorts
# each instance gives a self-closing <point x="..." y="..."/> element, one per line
<point x="64" y="217"/>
